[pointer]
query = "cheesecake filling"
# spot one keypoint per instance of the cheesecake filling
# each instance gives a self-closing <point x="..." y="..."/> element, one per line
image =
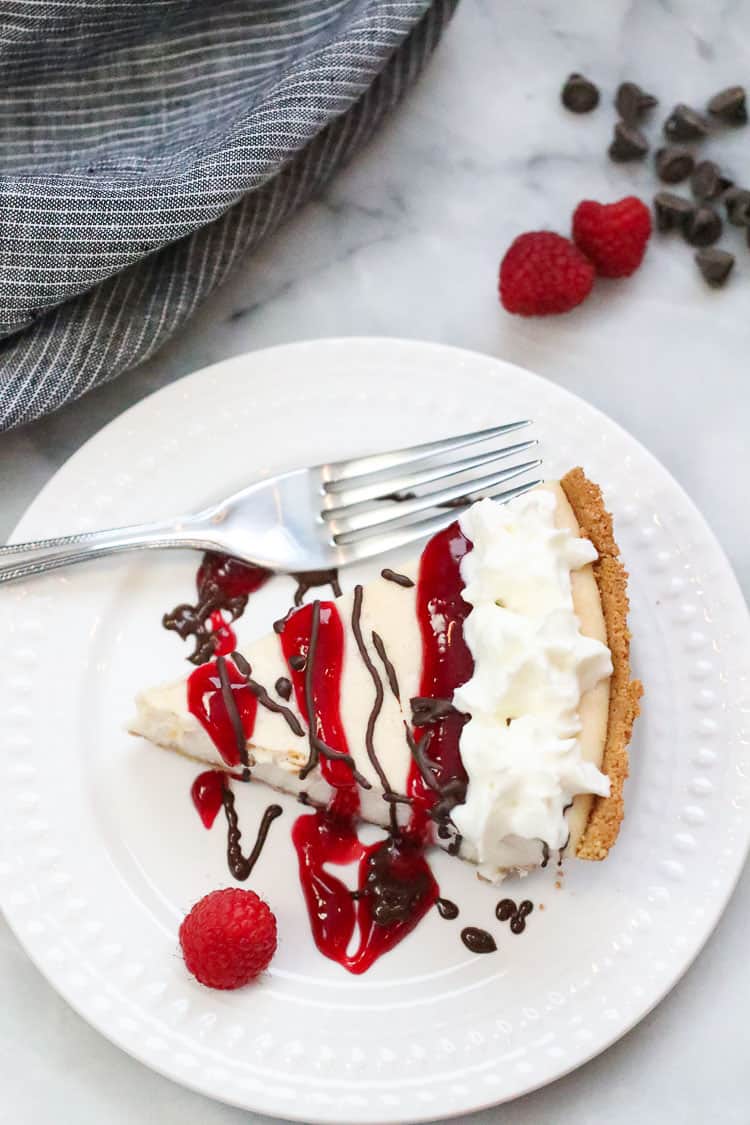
<point x="532" y="665"/>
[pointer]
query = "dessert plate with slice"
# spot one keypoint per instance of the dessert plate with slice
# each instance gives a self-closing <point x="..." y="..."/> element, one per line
<point x="458" y="723"/>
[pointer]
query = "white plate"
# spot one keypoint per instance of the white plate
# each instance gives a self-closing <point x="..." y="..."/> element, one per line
<point x="102" y="851"/>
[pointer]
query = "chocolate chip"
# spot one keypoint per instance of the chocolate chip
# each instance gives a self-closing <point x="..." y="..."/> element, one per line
<point x="579" y="94"/>
<point x="737" y="203"/>
<point x="628" y="143"/>
<point x="715" y="266"/>
<point x="684" y="124"/>
<point x="672" y="211"/>
<point x="632" y="102"/>
<point x="729" y="105"/>
<point x="707" y="181"/>
<point x="674" y="164"/>
<point x="703" y="227"/>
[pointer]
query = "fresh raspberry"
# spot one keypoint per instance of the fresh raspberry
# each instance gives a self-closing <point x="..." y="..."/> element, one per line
<point x="228" y="938"/>
<point x="544" y="273"/>
<point x="613" y="235"/>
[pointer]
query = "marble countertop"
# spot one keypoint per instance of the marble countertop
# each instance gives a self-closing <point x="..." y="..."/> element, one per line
<point x="406" y="242"/>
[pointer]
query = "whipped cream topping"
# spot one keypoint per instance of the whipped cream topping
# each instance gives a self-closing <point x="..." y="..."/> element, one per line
<point x="532" y="665"/>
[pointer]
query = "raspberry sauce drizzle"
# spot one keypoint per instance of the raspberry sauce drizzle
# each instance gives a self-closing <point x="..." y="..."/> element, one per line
<point x="206" y="701"/>
<point x="446" y="664"/>
<point x="395" y="885"/>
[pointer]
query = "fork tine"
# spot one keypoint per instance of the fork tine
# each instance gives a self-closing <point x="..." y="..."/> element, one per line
<point x="421" y="529"/>
<point x="379" y="462"/>
<point x="343" y="495"/>
<point x="344" y="526"/>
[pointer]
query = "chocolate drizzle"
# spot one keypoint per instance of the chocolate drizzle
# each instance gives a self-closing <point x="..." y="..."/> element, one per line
<point x="390" y="795"/>
<point x="230" y="704"/>
<point x="377" y="684"/>
<point x="425" y="766"/>
<point x="398" y="497"/>
<point x="264" y="698"/>
<point x="447" y="909"/>
<point x="188" y="620"/>
<point x="394" y="576"/>
<point x="425" y="710"/>
<point x="390" y="671"/>
<point x="456" y="502"/>
<point x="298" y="662"/>
<point x="239" y="865"/>
<point x="224" y="586"/>
<point x="478" y="941"/>
<point x="563" y="849"/>
<point x="451" y="794"/>
<point x="279" y="626"/>
<point x="317" y="745"/>
<point x="304" y="798"/>
<point x="307" y="579"/>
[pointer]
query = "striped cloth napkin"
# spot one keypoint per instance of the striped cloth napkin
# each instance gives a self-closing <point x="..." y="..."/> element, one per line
<point x="147" y="145"/>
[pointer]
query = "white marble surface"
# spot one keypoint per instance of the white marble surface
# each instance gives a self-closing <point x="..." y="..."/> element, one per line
<point x="406" y="242"/>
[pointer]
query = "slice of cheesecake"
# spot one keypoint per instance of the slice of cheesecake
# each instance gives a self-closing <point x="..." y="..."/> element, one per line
<point x="489" y="684"/>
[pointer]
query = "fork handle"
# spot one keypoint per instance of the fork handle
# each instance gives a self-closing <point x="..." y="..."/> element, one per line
<point x="25" y="560"/>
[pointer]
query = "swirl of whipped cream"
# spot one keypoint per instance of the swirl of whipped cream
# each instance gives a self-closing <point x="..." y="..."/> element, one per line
<point x="532" y="665"/>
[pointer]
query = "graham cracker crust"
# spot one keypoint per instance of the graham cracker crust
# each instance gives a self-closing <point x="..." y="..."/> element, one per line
<point x="595" y="522"/>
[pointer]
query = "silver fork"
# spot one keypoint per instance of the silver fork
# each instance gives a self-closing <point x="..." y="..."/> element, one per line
<point x="316" y="518"/>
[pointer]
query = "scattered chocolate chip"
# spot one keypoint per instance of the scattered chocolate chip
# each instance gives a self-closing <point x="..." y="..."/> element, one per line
<point x="707" y="181"/>
<point x="631" y="102"/>
<point x="674" y="164"/>
<point x="684" y="124"/>
<point x="579" y="94"/>
<point x="671" y="210"/>
<point x="737" y="203"/>
<point x="628" y="143"/>
<point x="729" y="105"/>
<point x="703" y="227"/>
<point x="715" y="265"/>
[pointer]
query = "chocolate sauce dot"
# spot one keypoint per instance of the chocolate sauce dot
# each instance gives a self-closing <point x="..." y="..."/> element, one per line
<point x="505" y="909"/>
<point x="298" y="662"/>
<point x="478" y="941"/>
<point x="518" y="921"/>
<point x="283" y="687"/>
<point x="447" y="909"/>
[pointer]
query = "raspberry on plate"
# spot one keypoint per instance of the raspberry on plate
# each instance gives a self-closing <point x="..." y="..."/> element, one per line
<point x="613" y="235"/>
<point x="543" y="273"/>
<point x="228" y="938"/>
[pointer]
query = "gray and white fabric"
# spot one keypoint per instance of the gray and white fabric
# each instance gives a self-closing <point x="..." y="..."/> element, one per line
<point x="147" y="145"/>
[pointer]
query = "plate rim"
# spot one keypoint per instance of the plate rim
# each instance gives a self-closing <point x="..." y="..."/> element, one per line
<point x="729" y="581"/>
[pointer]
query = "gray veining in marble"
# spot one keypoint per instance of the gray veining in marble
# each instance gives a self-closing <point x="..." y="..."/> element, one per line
<point x="406" y="242"/>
